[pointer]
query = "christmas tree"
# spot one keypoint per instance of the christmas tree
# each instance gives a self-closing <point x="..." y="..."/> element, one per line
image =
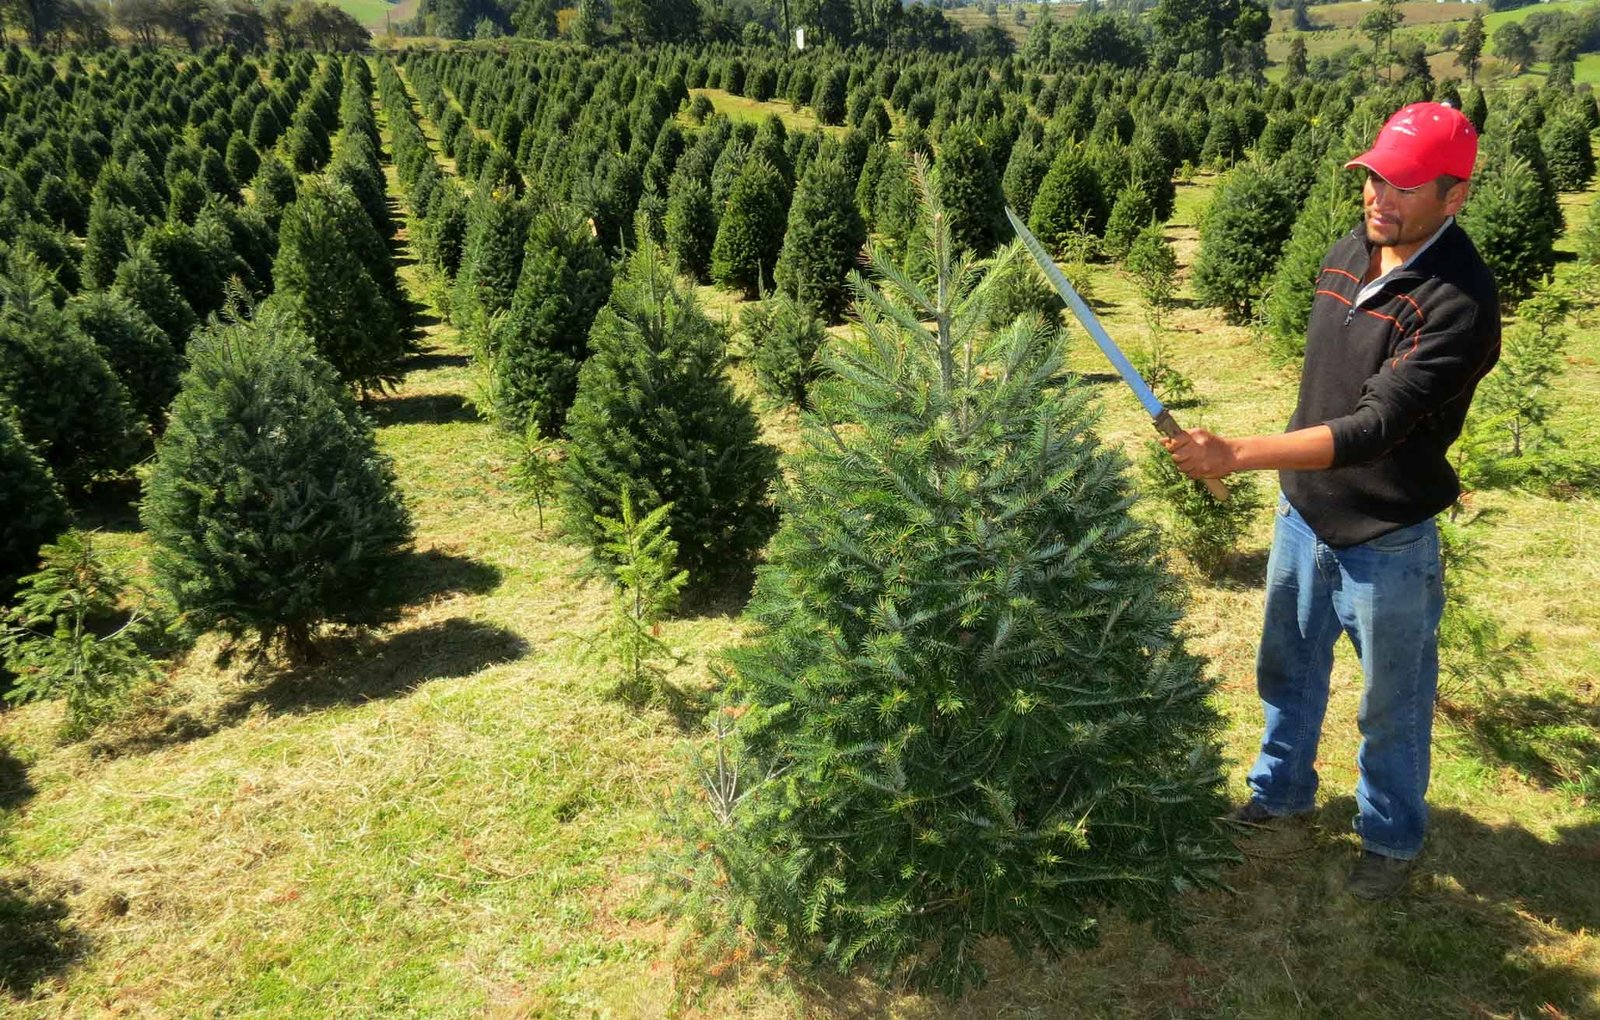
<point x="750" y="234"/>
<point x="491" y="262"/>
<point x="691" y="226"/>
<point x="656" y="412"/>
<point x="324" y="288"/>
<point x="782" y="338"/>
<point x="1333" y="207"/>
<point x="270" y="507"/>
<point x="147" y="287"/>
<point x="968" y="711"/>
<point x="824" y="237"/>
<point x="68" y="403"/>
<point x="32" y="511"/>
<point x="969" y="187"/>
<point x="1241" y="236"/>
<point x="542" y="340"/>
<point x="137" y="351"/>
<point x="1070" y="201"/>
<point x="1508" y="221"/>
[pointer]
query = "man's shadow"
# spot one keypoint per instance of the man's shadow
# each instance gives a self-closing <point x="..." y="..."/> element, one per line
<point x="1486" y="908"/>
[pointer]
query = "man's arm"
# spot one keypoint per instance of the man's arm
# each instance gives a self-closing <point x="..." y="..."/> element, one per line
<point x="1202" y="454"/>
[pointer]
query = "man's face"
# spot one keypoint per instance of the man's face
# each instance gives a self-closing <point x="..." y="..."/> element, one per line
<point x="1398" y="217"/>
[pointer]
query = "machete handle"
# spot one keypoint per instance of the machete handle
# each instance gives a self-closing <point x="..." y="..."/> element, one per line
<point x="1169" y="428"/>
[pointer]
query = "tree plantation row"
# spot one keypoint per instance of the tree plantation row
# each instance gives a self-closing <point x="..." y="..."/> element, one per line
<point x="965" y="707"/>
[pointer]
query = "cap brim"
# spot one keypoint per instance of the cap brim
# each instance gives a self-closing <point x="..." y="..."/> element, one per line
<point x="1398" y="169"/>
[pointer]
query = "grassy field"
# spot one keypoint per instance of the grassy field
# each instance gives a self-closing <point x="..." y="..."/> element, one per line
<point x="1336" y="27"/>
<point x="451" y="818"/>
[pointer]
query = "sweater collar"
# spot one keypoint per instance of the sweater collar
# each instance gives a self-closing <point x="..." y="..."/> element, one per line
<point x="1406" y="268"/>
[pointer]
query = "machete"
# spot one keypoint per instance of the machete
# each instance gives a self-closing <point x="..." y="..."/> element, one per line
<point x="1161" y="418"/>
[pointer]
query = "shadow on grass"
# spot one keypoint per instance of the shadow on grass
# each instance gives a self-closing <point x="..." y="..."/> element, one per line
<point x="111" y="506"/>
<point x="1553" y="738"/>
<point x="1241" y="570"/>
<point x="15" y="789"/>
<point x="430" y="360"/>
<point x="351" y="669"/>
<point x="425" y="576"/>
<point x="422" y="409"/>
<point x="37" y="939"/>
<point x="357" y="669"/>
<point x="1478" y="933"/>
<point x="724" y="596"/>
<point x="1492" y="926"/>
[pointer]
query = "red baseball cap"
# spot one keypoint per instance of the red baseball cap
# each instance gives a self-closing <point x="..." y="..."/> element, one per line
<point x="1421" y="142"/>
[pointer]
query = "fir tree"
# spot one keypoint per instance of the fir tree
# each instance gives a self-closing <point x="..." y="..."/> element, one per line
<point x="148" y="288"/>
<point x="967" y="709"/>
<point x="1516" y="394"/>
<point x="1206" y="529"/>
<point x="1241" y="236"/>
<point x="1476" y="108"/>
<point x="32" y="511"/>
<point x="750" y="234"/>
<point x="543" y="339"/>
<point x="1329" y="212"/>
<point x="969" y="187"/>
<point x="1507" y="220"/>
<point x="1131" y="213"/>
<point x="307" y="145"/>
<point x="142" y="357"/>
<point x="112" y="231"/>
<point x="656" y="411"/>
<point x="878" y="156"/>
<point x="824" y="237"/>
<point x="1070" y="200"/>
<point x="1025" y="173"/>
<point x="444" y="232"/>
<point x="896" y="212"/>
<point x="781" y="339"/>
<point x="325" y="291"/>
<point x="691" y="227"/>
<point x="491" y="262"/>
<point x="648" y="583"/>
<point x="1567" y="150"/>
<point x="242" y="160"/>
<point x="69" y="636"/>
<point x="197" y="270"/>
<point x="273" y="188"/>
<point x="69" y="405"/>
<point x="271" y="509"/>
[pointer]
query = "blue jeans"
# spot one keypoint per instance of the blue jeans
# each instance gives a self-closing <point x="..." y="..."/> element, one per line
<point x="1388" y="595"/>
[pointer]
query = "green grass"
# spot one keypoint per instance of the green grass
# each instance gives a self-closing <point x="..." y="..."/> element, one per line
<point x="741" y="108"/>
<point x="451" y="818"/>
<point x="371" y="12"/>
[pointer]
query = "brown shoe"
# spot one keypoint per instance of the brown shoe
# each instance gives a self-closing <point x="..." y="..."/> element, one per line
<point x="1253" y="812"/>
<point x="1376" y="877"/>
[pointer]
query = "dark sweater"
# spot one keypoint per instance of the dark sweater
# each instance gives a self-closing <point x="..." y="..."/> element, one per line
<point x="1392" y="379"/>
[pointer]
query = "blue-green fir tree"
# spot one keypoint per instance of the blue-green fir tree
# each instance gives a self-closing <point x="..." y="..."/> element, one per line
<point x="965" y="709"/>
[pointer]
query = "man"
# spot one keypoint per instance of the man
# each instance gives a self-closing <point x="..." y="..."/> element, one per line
<point x="1404" y="324"/>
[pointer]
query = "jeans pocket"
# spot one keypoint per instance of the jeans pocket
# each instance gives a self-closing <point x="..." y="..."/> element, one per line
<point x="1283" y="505"/>
<point x="1403" y="539"/>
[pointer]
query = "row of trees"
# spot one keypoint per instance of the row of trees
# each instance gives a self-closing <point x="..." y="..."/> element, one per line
<point x="251" y="539"/>
<point x="195" y="24"/>
<point x="876" y="23"/>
